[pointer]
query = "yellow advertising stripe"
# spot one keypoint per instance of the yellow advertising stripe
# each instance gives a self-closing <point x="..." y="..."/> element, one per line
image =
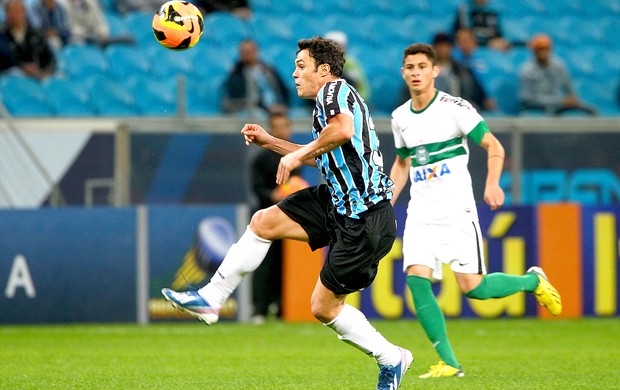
<point x="501" y="223"/>
<point x="605" y="255"/>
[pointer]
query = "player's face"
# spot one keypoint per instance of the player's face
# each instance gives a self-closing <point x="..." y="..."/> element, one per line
<point x="419" y="73"/>
<point x="308" y="80"/>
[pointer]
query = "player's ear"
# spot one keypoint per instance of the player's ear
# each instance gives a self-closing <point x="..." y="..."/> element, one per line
<point x="324" y="70"/>
<point x="436" y="71"/>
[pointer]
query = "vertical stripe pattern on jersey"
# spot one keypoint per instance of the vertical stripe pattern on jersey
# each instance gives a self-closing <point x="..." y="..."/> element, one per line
<point x="355" y="178"/>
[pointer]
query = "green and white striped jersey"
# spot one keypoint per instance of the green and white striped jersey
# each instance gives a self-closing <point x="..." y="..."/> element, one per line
<point x="436" y="140"/>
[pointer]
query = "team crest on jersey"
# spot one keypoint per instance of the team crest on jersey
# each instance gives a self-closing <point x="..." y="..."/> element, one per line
<point x="431" y="173"/>
<point x="421" y="155"/>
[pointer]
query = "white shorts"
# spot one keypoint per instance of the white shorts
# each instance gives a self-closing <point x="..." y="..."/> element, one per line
<point x="459" y="244"/>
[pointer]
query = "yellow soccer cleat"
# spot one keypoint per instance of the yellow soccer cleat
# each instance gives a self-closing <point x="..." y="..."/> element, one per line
<point x="442" y="370"/>
<point x="545" y="293"/>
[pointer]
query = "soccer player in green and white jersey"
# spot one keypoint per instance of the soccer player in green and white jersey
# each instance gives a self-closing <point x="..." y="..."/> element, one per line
<point x="431" y="133"/>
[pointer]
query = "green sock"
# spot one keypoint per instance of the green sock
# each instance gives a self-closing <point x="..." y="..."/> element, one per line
<point x="499" y="285"/>
<point x="431" y="318"/>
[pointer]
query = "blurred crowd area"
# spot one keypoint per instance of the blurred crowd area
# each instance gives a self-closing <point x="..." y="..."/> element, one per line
<point x="116" y="67"/>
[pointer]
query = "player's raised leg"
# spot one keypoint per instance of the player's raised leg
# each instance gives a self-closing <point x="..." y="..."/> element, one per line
<point x="242" y="258"/>
<point x="499" y="285"/>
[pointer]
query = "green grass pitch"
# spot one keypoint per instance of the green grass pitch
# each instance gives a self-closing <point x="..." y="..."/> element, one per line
<point x="495" y="354"/>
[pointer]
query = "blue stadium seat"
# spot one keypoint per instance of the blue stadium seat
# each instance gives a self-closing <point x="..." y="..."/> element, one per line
<point x="519" y="9"/>
<point x="78" y="61"/>
<point x="498" y="62"/>
<point x="580" y="62"/>
<point x="517" y="29"/>
<point x="116" y="24"/>
<point x="23" y="96"/>
<point x="609" y="63"/>
<point x="139" y="25"/>
<point x="444" y="10"/>
<point x="67" y="98"/>
<point x="378" y="8"/>
<point x="212" y="60"/>
<point x="357" y="29"/>
<point x="412" y="7"/>
<point x="322" y="8"/>
<point x="169" y="63"/>
<point x="265" y="28"/>
<point x="154" y="96"/>
<point x="607" y="8"/>
<point x="386" y="90"/>
<point x="304" y="26"/>
<point x="112" y="98"/>
<point x="505" y="90"/>
<point x="518" y="56"/>
<point x="203" y="98"/>
<point x="261" y="5"/>
<point x="424" y="29"/>
<point x="569" y="30"/>
<point x="572" y="9"/>
<point x="224" y="28"/>
<point x="391" y="31"/>
<point x="297" y="6"/>
<point x="376" y="61"/>
<point x="126" y="60"/>
<point x="597" y="93"/>
<point x="610" y="25"/>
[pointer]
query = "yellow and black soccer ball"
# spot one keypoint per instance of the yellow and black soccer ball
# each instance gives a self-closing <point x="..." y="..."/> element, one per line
<point x="178" y="25"/>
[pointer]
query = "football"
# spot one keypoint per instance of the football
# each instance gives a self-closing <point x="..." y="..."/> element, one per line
<point x="178" y="25"/>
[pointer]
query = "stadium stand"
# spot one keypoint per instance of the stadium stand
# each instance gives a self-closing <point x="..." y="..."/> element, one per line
<point x="125" y="61"/>
<point x="224" y="29"/>
<point x="584" y="32"/>
<point x="67" y="98"/>
<point x="203" y="95"/>
<point x="24" y="96"/>
<point x="154" y="96"/>
<point x="111" y="98"/>
<point x="78" y="61"/>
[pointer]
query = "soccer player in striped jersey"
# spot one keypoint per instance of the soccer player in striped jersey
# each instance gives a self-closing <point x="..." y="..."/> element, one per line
<point x="351" y="212"/>
<point x="431" y="133"/>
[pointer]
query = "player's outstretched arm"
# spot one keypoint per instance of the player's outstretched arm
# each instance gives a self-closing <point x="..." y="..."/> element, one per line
<point x="255" y="134"/>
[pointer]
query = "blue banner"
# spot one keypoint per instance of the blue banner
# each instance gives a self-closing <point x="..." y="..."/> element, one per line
<point x="67" y="265"/>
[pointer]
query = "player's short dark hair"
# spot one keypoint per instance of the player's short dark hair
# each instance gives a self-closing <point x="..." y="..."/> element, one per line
<point x="324" y="51"/>
<point x="420" y="48"/>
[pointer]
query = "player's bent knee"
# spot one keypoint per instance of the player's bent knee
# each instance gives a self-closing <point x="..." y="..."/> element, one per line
<point x="323" y="311"/>
<point x="257" y="227"/>
<point x="264" y="222"/>
<point x="319" y="312"/>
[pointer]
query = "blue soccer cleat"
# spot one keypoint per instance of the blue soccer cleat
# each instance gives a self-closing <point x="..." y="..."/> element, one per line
<point x="390" y="376"/>
<point x="192" y="303"/>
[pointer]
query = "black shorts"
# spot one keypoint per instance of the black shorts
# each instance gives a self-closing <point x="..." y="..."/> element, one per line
<point x="356" y="245"/>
